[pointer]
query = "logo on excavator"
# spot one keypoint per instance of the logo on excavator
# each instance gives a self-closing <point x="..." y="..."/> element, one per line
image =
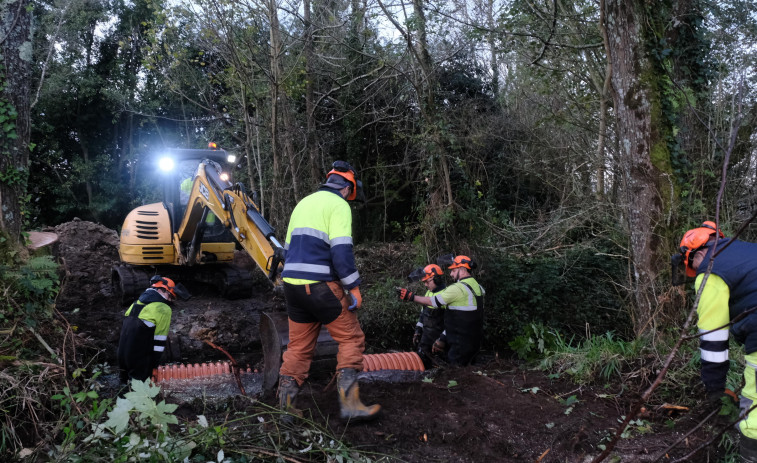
<point x="204" y="192"/>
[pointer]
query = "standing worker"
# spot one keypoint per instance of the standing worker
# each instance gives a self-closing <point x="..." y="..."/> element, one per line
<point x="144" y="331"/>
<point x="464" y="319"/>
<point x="730" y="291"/>
<point x="431" y="321"/>
<point x="321" y="287"/>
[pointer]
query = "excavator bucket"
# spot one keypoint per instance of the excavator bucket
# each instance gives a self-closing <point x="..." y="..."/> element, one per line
<point x="274" y="336"/>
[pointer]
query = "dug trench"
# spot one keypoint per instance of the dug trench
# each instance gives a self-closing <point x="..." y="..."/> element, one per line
<point x="494" y="410"/>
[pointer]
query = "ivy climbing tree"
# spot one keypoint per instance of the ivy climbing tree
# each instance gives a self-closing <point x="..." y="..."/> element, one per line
<point x="15" y="78"/>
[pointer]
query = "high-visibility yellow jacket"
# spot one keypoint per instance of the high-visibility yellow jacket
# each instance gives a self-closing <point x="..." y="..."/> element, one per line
<point x="319" y="241"/>
<point x="155" y="313"/>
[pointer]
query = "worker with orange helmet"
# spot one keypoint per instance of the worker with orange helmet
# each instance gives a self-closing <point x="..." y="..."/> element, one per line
<point x="144" y="331"/>
<point x="728" y="298"/>
<point x="430" y="324"/>
<point x="322" y="288"/>
<point x="464" y="319"/>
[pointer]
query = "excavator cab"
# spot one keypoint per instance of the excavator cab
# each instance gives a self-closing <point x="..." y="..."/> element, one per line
<point x="193" y="233"/>
<point x="177" y="191"/>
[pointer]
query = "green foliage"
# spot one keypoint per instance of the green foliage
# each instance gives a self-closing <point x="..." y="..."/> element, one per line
<point x="30" y="289"/>
<point x="388" y="322"/>
<point x="136" y="428"/>
<point x="596" y="358"/>
<point x="26" y="359"/>
<point x="139" y="427"/>
<point x="535" y="342"/>
<point x="8" y="113"/>
<point x="571" y="293"/>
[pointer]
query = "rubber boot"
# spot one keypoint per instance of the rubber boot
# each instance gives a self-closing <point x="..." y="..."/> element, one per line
<point x="748" y="449"/>
<point x="288" y="390"/>
<point x="349" y="398"/>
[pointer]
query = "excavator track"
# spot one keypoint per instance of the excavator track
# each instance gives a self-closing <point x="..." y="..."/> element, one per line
<point x="128" y="282"/>
<point x="232" y="282"/>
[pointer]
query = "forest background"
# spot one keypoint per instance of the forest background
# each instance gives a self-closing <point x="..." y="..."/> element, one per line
<point x="564" y="144"/>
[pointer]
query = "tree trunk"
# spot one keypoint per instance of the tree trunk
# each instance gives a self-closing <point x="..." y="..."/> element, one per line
<point x="632" y="95"/>
<point x="311" y="146"/>
<point x="274" y="92"/>
<point x="491" y="42"/>
<point x="282" y="131"/>
<point x="15" y="82"/>
<point x="427" y="82"/>
<point x="603" y="96"/>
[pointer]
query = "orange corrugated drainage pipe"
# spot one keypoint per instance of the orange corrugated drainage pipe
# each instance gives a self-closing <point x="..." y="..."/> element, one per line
<point x="409" y="361"/>
<point x="182" y="371"/>
<point x="393" y="361"/>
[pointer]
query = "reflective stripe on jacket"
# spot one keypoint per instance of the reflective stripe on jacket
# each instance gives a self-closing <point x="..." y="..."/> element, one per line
<point x="459" y="296"/>
<point x="155" y="313"/>
<point x="319" y="241"/>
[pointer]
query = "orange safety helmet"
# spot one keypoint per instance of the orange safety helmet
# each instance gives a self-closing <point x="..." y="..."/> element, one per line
<point x="695" y="239"/>
<point x="347" y="172"/>
<point x="164" y="283"/>
<point x="430" y="271"/>
<point x="462" y="261"/>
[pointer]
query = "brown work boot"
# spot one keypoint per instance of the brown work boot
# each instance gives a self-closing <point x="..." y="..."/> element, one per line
<point x="288" y="390"/>
<point x="349" y="398"/>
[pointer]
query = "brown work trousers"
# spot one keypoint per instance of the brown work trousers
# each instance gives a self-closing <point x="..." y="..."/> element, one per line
<point x="315" y="306"/>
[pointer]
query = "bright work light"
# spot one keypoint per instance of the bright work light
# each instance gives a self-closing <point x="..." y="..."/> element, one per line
<point x="231" y="159"/>
<point x="166" y="164"/>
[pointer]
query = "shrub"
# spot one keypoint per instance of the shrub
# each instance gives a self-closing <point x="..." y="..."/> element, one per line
<point x="574" y="293"/>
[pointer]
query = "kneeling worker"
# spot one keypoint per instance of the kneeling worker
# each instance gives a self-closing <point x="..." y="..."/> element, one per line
<point x="464" y="319"/>
<point x="430" y="324"/>
<point x="144" y="331"/>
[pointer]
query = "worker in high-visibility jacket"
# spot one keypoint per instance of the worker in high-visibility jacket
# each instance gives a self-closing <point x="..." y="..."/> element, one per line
<point x="322" y="287"/>
<point x="144" y="332"/>
<point x="464" y="318"/>
<point x="728" y="299"/>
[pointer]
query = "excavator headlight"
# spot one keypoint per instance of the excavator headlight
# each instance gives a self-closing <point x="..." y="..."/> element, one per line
<point x="224" y="176"/>
<point x="166" y="164"/>
<point x="231" y="159"/>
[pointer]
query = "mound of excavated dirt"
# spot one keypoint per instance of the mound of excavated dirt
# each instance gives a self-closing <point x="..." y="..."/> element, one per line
<point x="86" y="251"/>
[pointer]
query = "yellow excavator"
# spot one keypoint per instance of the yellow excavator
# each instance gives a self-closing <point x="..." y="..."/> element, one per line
<point x="192" y="234"/>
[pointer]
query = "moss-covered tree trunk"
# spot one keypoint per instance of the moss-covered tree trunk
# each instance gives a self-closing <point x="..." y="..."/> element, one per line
<point x="640" y="144"/>
<point x="15" y="90"/>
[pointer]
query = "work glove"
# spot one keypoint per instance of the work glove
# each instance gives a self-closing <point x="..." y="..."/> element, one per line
<point x="357" y="299"/>
<point x="417" y="336"/>
<point x="438" y="347"/>
<point x="405" y="294"/>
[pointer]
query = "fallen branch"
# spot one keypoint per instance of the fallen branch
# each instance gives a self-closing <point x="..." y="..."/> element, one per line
<point x="42" y="341"/>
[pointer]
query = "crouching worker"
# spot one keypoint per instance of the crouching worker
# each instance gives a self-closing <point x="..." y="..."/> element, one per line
<point x="464" y="316"/>
<point x="729" y="297"/>
<point x="322" y="288"/>
<point x="144" y="331"/>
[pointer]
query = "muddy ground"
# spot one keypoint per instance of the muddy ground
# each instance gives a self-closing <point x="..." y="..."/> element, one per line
<point x="496" y="410"/>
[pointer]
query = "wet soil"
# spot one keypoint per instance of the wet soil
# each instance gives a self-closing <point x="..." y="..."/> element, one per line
<point x="495" y="410"/>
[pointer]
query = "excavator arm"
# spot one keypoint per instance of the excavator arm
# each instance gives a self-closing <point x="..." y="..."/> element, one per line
<point x="237" y="212"/>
